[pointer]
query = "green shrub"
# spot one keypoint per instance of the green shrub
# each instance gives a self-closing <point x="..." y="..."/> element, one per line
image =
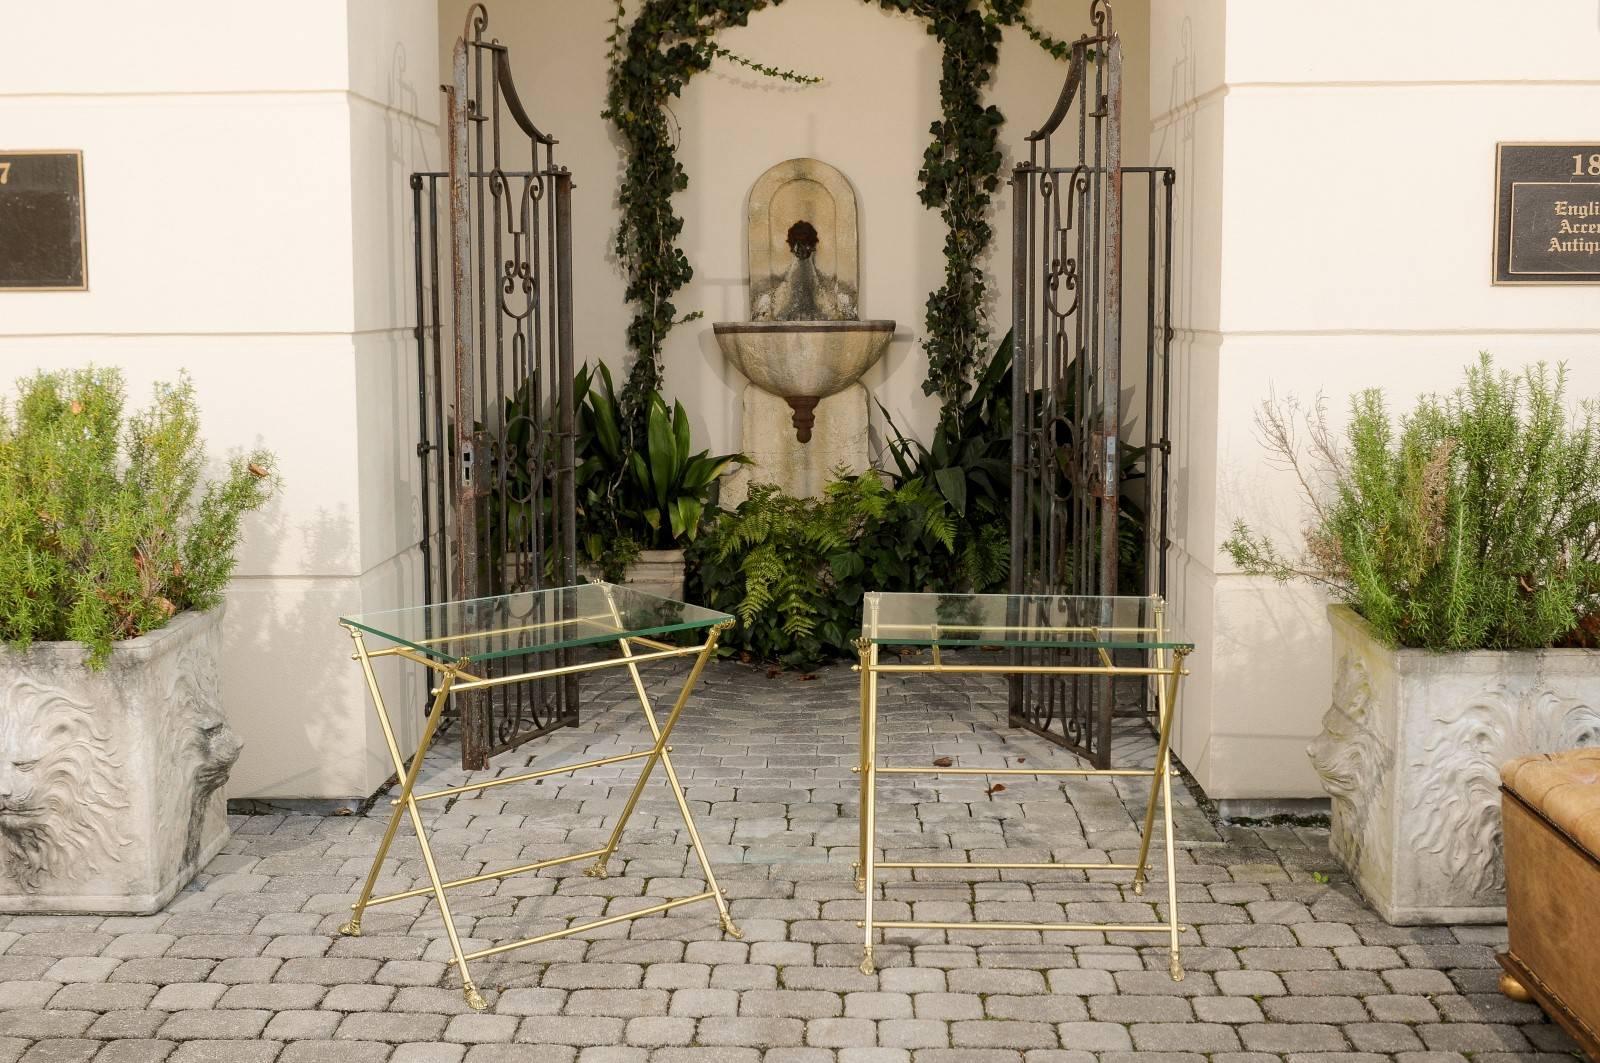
<point x="1472" y="523"/>
<point x="646" y="496"/>
<point x="794" y="569"/>
<point x="969" y="465"/>
<point x="105" y="528"/>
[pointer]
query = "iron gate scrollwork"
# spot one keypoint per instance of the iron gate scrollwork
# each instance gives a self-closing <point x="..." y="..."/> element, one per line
<point x="494" y="378"/>
<point x="1089" y="488"/>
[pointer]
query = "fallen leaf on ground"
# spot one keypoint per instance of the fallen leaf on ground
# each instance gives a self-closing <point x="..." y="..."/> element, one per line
<point x="774" y="672"/>
<point x="998" y="787"/>
<point x="808" y="677"/>
<point x="943" y="762"/>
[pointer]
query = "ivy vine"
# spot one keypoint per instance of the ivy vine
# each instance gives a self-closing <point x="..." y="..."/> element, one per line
<point x="669" y="41"/>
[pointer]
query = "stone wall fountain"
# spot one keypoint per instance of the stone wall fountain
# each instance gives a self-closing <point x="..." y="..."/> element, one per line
<point x="804" y="349"/>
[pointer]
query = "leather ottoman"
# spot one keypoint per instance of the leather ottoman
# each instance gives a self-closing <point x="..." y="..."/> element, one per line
<point x="1550" y="808"/>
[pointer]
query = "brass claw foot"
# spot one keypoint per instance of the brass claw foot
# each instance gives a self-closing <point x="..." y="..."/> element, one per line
<point x="1514" y="989"/>
<point x="730" y="929"/>
<point x="1176" y="968"/>
<point x="475" y="999"/>
<point x="867" y="966"/>
<point x="598" y="870"/>
<point x="352" y="929"/>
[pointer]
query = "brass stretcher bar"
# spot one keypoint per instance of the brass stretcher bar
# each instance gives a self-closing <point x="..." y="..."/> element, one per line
<point x="1168" y="669"/>
<point x="456" y="678"/>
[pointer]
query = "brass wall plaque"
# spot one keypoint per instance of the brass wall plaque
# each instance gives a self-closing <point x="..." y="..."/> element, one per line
<point x="41" y="222"/>
<point x="1547" y="214"/>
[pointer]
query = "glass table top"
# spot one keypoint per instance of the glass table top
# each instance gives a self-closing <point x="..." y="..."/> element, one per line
<point x="511" y="625"/>
<point x="1058" y="621"/>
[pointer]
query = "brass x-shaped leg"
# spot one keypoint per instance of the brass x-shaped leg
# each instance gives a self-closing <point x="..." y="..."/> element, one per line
<point x="407" y="800"/>
<point x="407" y="803"/>
<point x="663" y="753"/>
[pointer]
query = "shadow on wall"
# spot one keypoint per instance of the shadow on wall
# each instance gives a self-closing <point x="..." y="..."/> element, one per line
<point x="1176" y="147"/>
<point x="286" y="641"/>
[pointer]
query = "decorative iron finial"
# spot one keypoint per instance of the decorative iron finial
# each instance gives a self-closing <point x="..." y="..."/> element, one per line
<point x="478" y="20"/>
<point x="1100" y="15"/>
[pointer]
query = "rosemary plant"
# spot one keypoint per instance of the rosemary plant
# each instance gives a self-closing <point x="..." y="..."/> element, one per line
<point x="1472" y="522"/>
<point x="106" y="527"/>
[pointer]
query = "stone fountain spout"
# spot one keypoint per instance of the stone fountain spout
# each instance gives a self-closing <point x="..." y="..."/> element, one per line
<point x="804" y="343"/>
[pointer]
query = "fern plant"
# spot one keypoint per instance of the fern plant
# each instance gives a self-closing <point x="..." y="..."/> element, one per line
<point x="1471" y="523"/>
<point x="794" y="569"/>
<point x="107" y="529"/>
<point x="969" y="464"/>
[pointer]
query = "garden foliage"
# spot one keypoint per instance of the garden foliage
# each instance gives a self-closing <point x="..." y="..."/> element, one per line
<point x="106" y="527"/>
<point x="648" y="495"/>
<point x="794" y="569"/>
<point x="653" y="58"/>
<point x="1471" y="523"/>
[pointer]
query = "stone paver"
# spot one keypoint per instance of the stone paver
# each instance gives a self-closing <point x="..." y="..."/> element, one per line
<point x="246" y="965"/>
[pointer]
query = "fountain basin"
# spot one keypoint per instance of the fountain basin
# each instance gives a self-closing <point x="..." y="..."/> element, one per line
<point x="803" y="361"/>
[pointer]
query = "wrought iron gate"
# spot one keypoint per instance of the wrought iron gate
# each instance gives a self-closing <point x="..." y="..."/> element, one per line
<point x="492" y="254"/>
<point x="1089" y="490"/>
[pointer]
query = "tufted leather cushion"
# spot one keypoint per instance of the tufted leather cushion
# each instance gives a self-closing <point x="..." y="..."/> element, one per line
<point x="1564" y="788"/>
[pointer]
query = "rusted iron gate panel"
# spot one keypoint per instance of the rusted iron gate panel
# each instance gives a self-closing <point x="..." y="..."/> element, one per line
<point x="1089" y="478"/>
<point x="492" y="255"/>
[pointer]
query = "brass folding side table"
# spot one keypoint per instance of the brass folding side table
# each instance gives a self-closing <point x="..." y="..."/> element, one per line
<point x="454" y="638"/>
<point x="1034" y="628"/>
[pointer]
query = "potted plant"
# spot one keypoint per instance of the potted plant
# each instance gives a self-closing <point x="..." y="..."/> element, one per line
<point x="1462" y="544"/>
<point x="638" y="503"/>
<point x="113" y="560"/>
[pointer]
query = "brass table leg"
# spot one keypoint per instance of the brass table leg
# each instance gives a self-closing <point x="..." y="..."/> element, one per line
<point x="1175" y="963"/>
<point x="353" y="927"/>
<point x="664" y="753"/>
<point x="1161" y="786"/>
<point x="858" y="870"/>
<point x="869" y="788"/>
<point x="408" y="802"/>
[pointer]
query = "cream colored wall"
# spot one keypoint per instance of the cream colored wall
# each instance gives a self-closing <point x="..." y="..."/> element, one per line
<point x="869" y="117"/>
<point x="247" y="220"/>
<point x="1336" y="171"/>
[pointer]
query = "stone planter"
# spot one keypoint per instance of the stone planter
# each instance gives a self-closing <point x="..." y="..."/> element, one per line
<point x="111" y="781"/>
<point x="658" y="572"/>
<point x="1410" y="753"/>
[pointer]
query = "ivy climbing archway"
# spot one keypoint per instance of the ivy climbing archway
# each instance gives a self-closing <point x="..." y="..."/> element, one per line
<point x="669" y="41"/>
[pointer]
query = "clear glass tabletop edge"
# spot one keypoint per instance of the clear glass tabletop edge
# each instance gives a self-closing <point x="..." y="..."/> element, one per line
<point x="1091" y="622"/>
<point x="529" y="622"/>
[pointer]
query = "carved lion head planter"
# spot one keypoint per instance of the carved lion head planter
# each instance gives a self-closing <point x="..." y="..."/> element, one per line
<point x="110" y="780"/>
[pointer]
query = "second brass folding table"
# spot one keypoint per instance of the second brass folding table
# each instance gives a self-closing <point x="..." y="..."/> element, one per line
<point x="454" y="638"/>
<point x="1073" y="636"/>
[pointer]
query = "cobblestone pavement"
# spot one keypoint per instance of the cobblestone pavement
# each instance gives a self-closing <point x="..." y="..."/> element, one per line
<point x="247" y="964"/>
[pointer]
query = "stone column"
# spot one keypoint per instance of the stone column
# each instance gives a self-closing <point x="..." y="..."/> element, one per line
<point x="1334" y="232"/>
<point x="248" y="220"/>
